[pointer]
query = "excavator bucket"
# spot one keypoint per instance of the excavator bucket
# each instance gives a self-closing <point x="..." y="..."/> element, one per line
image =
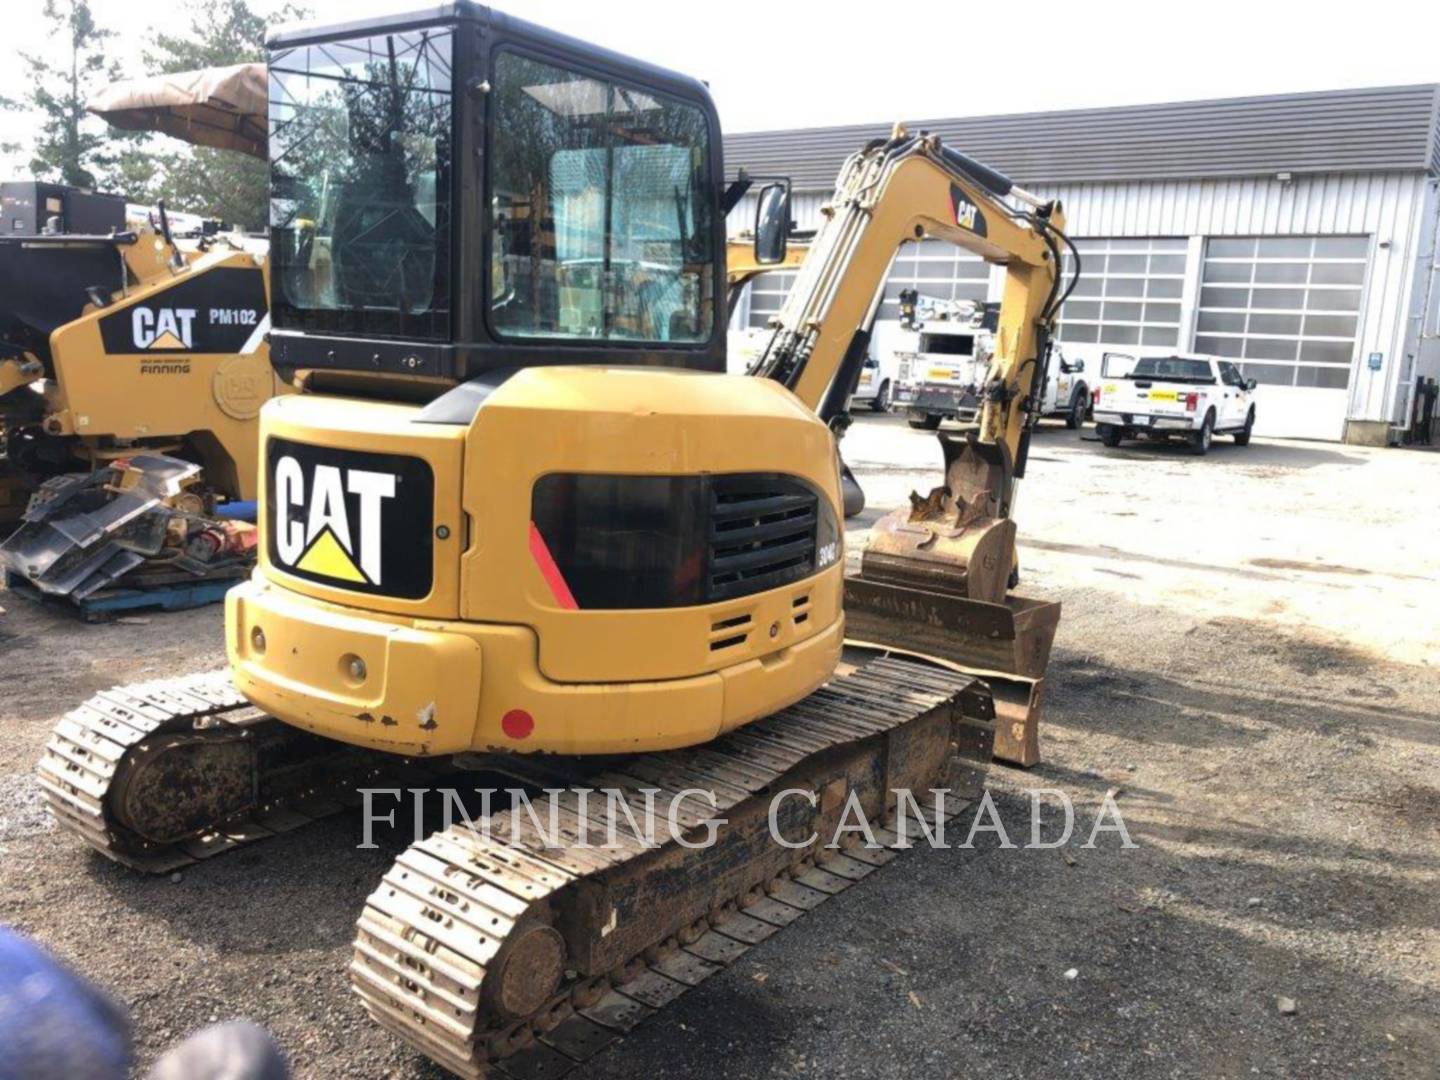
<point x="933" y="580"/>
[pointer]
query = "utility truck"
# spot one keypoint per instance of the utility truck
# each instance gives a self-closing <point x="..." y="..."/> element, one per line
<point x="943" y="373"/>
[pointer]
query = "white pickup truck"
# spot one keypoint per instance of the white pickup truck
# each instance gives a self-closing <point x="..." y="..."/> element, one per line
<point x="1160" y="397"/>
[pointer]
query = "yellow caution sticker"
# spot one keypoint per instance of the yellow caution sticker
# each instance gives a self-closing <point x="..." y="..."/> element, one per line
<point x="1162" y="395"/>
<point x="941" y="373"/>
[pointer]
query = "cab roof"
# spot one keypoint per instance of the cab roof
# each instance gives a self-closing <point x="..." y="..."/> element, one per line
<point x="289" y="35"/>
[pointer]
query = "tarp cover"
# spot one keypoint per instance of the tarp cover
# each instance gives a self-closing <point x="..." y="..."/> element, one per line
<point x="223" y="107"/>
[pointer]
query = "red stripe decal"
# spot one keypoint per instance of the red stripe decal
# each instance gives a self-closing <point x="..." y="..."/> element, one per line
<point x="540" y="552"/>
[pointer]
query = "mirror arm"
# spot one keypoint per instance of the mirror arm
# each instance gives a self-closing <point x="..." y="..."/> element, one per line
<point x="734" y="192"/>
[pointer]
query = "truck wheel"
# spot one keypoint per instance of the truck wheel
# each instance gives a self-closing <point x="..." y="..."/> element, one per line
<point x="1200" y="440"/>
<point x="1110" y="434"/>
<point x="1075" y="418"/>
<point x="882" y="399"/>
<point x="928" y="422"/>
<point x="1242" y="437"/>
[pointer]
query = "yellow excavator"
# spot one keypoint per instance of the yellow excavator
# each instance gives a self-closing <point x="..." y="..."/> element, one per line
<point x="530" y="528"/>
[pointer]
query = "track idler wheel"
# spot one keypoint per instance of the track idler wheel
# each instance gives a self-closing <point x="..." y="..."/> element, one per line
<point x="528" y="971"/>
<point x="177" y="786"/>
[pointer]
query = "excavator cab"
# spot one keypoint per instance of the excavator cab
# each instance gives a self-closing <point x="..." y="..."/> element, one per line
<point x="417" y="156"/>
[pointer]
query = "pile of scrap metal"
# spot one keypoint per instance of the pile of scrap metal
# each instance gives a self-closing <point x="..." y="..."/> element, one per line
<point x="144" y="519"/>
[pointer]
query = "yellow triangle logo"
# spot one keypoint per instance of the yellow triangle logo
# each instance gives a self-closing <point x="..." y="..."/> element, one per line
<point x="327" y="558"/>
<point x="167" y="340"/>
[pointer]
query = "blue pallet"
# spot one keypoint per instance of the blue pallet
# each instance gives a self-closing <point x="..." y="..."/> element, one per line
<point x="110" y="602"/>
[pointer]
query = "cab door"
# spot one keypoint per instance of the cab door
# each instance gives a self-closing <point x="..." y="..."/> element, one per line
<point x="869" y="383"/>
<point x="1235" y="402"/>
<point x="1058" y="381"/>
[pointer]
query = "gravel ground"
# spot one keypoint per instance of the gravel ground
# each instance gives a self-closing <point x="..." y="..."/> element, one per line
<point x="1248" y="653"/>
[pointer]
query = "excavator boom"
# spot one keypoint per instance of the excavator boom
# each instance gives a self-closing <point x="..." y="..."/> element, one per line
<point x="935" y="575"/>
<point x="908" y="188"/>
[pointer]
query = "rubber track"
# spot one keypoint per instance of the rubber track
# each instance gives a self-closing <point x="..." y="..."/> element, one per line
<point x="90" y="742"/>
<point x="443" y="911"/>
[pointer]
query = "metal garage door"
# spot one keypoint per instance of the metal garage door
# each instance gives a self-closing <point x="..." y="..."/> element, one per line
<point x="767" y="294"/>
<point x="1287" y="308"/>
<point x="936" y="268"/>
<point x="1128" y="294"/>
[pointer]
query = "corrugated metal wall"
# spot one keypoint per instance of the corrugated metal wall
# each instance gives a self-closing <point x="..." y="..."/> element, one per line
<point x="1388" y="207"/>
<point x="1425" y="302"/>
<point x="1396" y="210"/>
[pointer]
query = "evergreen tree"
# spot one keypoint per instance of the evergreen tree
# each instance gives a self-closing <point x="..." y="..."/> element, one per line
<point x="222" y="184"/>
<point x="71" y="146"/>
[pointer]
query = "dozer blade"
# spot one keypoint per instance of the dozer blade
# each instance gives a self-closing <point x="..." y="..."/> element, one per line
<point x="1007" y="645"/>
<point x="496" y="949"/>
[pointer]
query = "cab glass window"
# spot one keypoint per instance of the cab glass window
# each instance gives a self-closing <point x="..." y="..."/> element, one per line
<point x="600" y="209"/>
<point x="360" y="149"/>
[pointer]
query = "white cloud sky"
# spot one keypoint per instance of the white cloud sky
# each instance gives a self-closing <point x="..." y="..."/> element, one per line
<point x="793" y="63"/>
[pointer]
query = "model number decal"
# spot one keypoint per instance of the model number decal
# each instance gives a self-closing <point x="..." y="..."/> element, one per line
<point x="216" y="312"/>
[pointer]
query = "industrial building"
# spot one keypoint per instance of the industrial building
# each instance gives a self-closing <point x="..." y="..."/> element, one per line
<point x="1295" y="234"/>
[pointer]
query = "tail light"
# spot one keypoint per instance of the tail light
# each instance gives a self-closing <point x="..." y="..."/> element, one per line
<point x="1191" y="401"/>
<point x="1095" y="396"/>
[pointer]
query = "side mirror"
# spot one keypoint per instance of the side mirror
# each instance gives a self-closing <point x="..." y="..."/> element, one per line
<point x="1077" y="366"/>
<point x="1250" y="384"/>
<point x="772" y="224"/>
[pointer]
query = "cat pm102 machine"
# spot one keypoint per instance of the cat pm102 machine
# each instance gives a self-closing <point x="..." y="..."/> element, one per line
<point x="133" y="364"/>
<point x="530" y="527"/>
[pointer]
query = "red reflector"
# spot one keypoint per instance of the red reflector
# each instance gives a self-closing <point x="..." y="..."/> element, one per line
<point x="517" y="724"/>
<point x="540" y="552"/>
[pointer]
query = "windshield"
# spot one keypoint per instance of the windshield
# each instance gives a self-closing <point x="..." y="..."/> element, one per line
<point x="1173" y="368"/>
<point x="600" y="209"/>
<point x="949" y="344"/>
<point x="360" y="135"/>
